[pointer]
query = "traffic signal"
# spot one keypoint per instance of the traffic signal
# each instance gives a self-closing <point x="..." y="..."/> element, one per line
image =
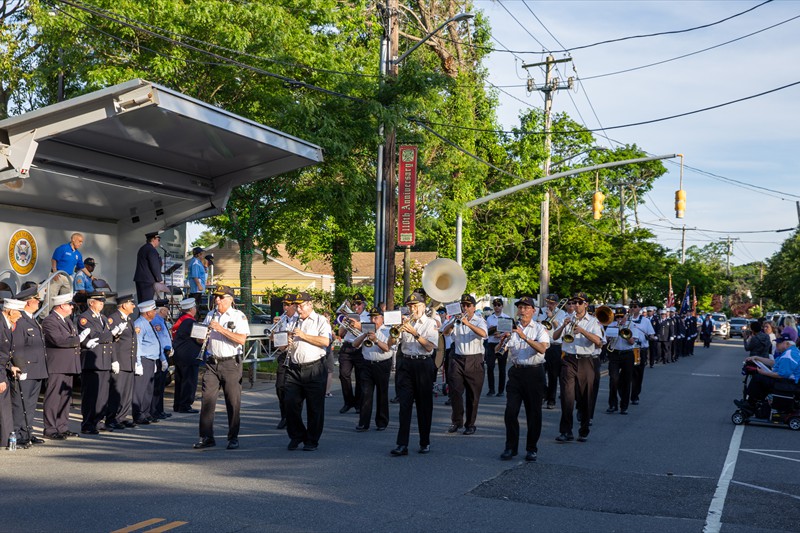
<point x="597" y="204"/>
<point x="680" y="203"/>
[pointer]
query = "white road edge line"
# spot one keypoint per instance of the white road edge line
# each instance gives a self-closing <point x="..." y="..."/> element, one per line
<point x="714" y="517"/>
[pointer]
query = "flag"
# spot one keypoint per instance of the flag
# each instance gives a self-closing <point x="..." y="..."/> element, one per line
<point x="694" y="302"/>
<point x="685" y="303"/>
<point x="671" y="295"/>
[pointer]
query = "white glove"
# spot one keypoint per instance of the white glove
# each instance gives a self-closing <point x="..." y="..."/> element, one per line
<point x="83" y="334"/>
<point x="164" y="365"/>
<point x="92" y="343"/>
<point x="115" y="367"/>
<point x="138" y="370"/>
<point x="117" y="331"/>
<point x="23" y="376"/>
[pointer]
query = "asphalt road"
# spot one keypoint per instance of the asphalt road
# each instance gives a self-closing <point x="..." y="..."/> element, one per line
<point x="657" y="469"/>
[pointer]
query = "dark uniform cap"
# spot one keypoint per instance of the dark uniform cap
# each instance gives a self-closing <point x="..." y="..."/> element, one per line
<point x="223" y="290"/>
<point x="27" y="294"/>
<point x="303" y="297"/>
<point x="96" y="295"/>
<point x="525" y="300"/>
<point x="289" y="298"/>
<point x="415" y="298"/>
<point x="162" y="302"/>
<point x="497" y="301"/>
<point x="152" y="235"/>
<point x="375" y="312"/>
<point x="89" y="261"/>
<point x="634" y="303"/>
<point x="619" y="311"/>
<point x="125" y="298"/>
<point x="468" y="299"/>
<point x="552" y="297"/>
<point x="358" y="297"/>
<point x="580" y="296"/>
<point x="197" y="250"/>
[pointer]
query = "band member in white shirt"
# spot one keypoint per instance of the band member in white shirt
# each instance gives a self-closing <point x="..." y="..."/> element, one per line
<point x="465" y="371"/>
<point x="306" y="375"/>
<point x="415" y="373"/>
<point x="491" y="355"/>
<point x="350" y="357"/>
<point x="375" y="371"/>
<point x="620" y="361"/>
<point x="286" y="324"/>
<point x="577" y="369"/>
<point x="526" y="346"/>
<point x="552" y="363"/>
<point x="640" y="322"/>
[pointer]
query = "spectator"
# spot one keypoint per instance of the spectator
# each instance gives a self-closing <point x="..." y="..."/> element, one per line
<point x="768" y="327"/>
<point x="758" y="343"/>
<point x="148" y="268"/>
<point x="197" y="275"/>
<point x="82" y="284"/>
<point x="785" y="370"/>
<point x="66" y="258"/>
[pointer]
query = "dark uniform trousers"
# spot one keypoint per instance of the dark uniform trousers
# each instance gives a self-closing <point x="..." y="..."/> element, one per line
<point x="227" y="374"/>
<point x="526" y="386"/>
<point x="552" y="365"/>
<point x="280" y="382"/>
<point x="577" y="385"/>
<point x="665" y="351"/>
<point x="465" y="374"/>
<point x="57" y="399"/>
<point x="350" y="359"/>
<point x="502" y="358"/>
<point x="6" y="414"/>
<point x="653" y="354"/>
<point x="598" y="368"/>
<point x="620" y="371"/>
<point x="143" y="390"/>
<point x="307" y="383"/>
<point x="28" y="399"/>
<point x="185" y="386"/>
<point x="159" y="384"/>
<point x="120" y="397"/>
<point x="415" y="385"/>
<point x="95" y="386"/>
<point x="638" y="373"/>
<point x="375" y="384"/>
<point x="145" y="290"/>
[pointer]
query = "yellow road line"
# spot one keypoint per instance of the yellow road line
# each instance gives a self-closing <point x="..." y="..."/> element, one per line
<point x="166" y="527"/>
<point x="139" y="525"/>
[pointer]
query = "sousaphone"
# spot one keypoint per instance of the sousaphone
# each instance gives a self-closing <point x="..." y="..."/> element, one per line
<point x="444" y="281"/>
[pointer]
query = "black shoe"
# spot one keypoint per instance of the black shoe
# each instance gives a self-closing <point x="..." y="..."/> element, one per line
<point x="115" y="425"/>
<point x="453" y="428"/>
<point x="634" y="402"/>
<point x="362" y="429"/>
<point x="142" y="422"/>
<point x="507" y="455"/>
<point x="129" y="424"/>
<point x="448" y="402"/>
<point x="744" y="404"/>
<point x="565" y="437"/>
<point x="583" y="438"/>
<point x="358" y="411"/>
<point x="400" y="450"/>
<point x="425" y="449"/>
<point x="106" y="427"/>
<point x="395" y="400"/>
<point x="294" y="444"/>
<point x="381" y="428"/>
<point x="205" y="442"/>
<point x="309" y="447"/>
<point x="490" y="393"/>
<point x="56" y="436"/>
<point x="345" y="408"/>
<point x="23" y="445"/>
<point x="530" y="457"/>
<point x="190" y="410"/>
<point x="233" y="444"/>
<point x="281" y="424"/>
<point x="611" y="410"/>
<point x="470" y="430"/>
<point x="69" y="433"/>
<point x="551" y="405"/>
<point x="623" y="411"/>
<point x="37" y="440"/>
<point x="164" y="414"/>
<point x="161" y="416"/>
<point x="499" y="394"/>
<point x="153" y="420"/>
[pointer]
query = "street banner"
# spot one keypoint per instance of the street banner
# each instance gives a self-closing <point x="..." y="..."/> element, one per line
<point x="407" y="196"/>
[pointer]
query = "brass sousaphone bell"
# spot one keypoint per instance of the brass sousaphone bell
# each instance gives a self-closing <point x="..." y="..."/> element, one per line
<point x="444" y="281"/>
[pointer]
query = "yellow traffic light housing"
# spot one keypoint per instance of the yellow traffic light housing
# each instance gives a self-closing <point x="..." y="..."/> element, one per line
<point x="597" y="204"/>
<point x="680" y="203"/>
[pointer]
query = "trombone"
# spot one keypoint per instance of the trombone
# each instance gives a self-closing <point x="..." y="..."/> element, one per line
<point x="625" y="333"/>
<point x="548" y="323"/>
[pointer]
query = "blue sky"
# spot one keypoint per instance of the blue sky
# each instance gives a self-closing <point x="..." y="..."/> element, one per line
<point x="754" y="141"/>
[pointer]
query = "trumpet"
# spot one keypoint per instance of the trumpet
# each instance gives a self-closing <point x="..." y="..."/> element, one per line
<point x="396" y="330"/>
<point x="548" y="324"/>
<point x="270" y="331"/>
<point x="502" y="346"/>
<point x="569" y="331"/>
<point x="624" y="333"/>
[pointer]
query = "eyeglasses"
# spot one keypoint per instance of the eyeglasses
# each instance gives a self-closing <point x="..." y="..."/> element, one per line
<point x="498" y="305"/>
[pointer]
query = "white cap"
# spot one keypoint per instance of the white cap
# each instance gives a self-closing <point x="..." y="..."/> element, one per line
<point x="671" y="309"/>
<point x="62" y="299"/>
<point x="663" y="312"/>
<point x="188" y="303"/>
<point x="11" y="304"/>
<point x="147" y="305"/>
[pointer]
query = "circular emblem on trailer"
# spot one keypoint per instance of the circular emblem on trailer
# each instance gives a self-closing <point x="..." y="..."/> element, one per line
<point x="22" y="252"/>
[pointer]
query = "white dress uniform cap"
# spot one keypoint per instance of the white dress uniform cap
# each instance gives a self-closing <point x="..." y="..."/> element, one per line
<point x="147" y="305"/>
<point x="188" y="303"/>
<point x="11" y="304"/>
<point x="62" y="299"/>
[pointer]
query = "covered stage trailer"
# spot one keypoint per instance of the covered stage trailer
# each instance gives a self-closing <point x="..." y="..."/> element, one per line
<point x="120" y="162"/>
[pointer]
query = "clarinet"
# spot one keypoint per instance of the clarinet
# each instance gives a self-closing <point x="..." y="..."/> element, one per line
<point x="205" y="341"/>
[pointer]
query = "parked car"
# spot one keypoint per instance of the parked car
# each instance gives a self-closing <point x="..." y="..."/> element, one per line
<point x="722" y="327"/>
<point x="262" y="314"/>
<point x="739" y="326"/>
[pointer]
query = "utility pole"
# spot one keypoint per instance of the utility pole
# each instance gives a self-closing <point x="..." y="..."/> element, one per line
<point x="684" y="229"/>
<point x="798" y="213"/>
<point x="729" y="252"/>
<point x="551" y="84"/>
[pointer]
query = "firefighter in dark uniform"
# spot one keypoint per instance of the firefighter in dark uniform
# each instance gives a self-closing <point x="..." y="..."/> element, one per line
<point x="148" y="267"/>
<point x="29" y="357"/>
<point x="664" y="335"/>
<point x="97" y="354"/>
<point x="12" y="310"/>
<point x="63" y="346"/>
<point x="186" y="357"/>
<point x="120" y="394"/>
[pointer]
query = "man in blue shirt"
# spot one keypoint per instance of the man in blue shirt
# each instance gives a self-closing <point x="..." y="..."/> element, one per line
<point x="148" y="355"/>
<point x="785" y="369"/>
<point x="66" y="258"/>
<point x="197" y="275"/>
<point x="82" y="284"/>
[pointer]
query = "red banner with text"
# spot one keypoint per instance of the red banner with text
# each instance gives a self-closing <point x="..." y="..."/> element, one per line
<point x="407" y="196"/>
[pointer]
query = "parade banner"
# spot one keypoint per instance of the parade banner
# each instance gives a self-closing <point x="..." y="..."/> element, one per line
<point x="407" y="196"/>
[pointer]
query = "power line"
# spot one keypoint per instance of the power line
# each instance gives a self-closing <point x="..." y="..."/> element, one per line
<point x="520" y="24"/>
<point x="721" y="231"/>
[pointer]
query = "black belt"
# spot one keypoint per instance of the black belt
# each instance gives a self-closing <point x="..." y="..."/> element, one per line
<point x="470" y="355"/>
<point x="517" y="365"/>
<point x="579" y="356"/>
<point x="416" y="356"/>
<point x="305" y="365"/>
<point x="215" y="359"/>
<point x="376" y="362"/>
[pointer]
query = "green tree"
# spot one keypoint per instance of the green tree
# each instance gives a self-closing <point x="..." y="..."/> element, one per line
<point x="782" y="277"/>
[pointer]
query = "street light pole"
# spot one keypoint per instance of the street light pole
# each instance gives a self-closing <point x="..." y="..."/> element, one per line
<point x="386" y="215"/>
